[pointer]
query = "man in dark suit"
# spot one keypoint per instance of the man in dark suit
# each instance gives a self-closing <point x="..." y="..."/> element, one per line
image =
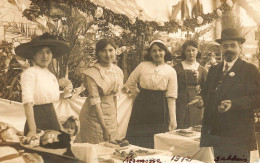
<point x="231" y="94"/>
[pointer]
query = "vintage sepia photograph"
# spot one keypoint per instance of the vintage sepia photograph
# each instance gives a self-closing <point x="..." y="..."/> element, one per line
<point x="129" y="81"/>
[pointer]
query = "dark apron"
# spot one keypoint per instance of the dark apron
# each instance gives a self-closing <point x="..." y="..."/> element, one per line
<point x="149" y="116"/>
<point x="45" y="118"/>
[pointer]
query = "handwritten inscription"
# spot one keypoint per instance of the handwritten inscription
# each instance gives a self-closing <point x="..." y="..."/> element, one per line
<point x="231" y="158"/>
<point x="155" y="160"/>
<point x="178" y="158"/>
<point x="134" y="160"/>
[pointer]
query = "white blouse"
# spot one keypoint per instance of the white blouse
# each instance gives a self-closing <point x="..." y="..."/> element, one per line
<point x="39" y="86"/>
<point x="152" y="77"/>
<point x="112" y="79"/>
<point x="194" y="66"/>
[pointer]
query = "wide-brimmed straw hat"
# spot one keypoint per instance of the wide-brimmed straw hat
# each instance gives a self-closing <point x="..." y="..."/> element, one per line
<point x="230" y="34"/>
<point x="60" y="46"/>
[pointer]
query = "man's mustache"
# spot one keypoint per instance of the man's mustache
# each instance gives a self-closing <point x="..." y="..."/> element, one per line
<point x="229" y="52"/>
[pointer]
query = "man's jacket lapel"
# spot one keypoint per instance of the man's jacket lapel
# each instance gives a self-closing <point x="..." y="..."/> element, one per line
<point x="229" y="80"/>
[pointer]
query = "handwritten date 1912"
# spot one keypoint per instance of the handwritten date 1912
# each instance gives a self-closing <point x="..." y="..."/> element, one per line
<point x="177" y="158"/>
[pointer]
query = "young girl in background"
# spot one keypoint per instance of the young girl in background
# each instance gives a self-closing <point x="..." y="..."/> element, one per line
<point x="71" y="127"/>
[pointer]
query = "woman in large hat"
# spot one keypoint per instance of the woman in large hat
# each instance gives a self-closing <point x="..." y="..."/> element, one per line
<point x="40" y="87"/>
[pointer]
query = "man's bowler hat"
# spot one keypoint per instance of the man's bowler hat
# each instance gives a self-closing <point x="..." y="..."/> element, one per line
<point x="230" y="34"/>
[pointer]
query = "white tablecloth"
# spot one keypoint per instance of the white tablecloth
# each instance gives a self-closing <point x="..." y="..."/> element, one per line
<point x="189" y="147"/>
<point x="91" y="153"/>
<point x="12" y="112"/>
<point x="85" y="152"/>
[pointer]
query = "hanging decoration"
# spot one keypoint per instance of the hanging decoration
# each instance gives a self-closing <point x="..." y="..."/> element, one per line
<point x="199" y="20"/>
<point x="99" y="12"/>
<point x="219" y="13"/>
<point x="229" y="3"/>
<point x="203" y="32"/>
<point x="137" y="25"/>
<point x="197" y="9"/>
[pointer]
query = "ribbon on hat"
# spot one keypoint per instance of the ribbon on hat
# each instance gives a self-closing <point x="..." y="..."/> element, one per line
<point x="159" y="41"/>
<point x="46" y="36"/>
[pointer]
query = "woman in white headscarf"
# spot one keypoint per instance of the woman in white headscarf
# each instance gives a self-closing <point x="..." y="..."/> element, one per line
<point x="155" y="84"/>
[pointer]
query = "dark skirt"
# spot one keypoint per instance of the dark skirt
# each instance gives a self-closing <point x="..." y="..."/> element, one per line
<point x="45" y="118"/>
<point x="149" y="116"/>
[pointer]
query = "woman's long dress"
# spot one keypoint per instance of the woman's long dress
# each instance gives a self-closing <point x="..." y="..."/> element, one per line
<point x="188" y="116"/>
<point x="150" y="114"/>
<point x="40" y="87"/>
<point x="102" y="85"/>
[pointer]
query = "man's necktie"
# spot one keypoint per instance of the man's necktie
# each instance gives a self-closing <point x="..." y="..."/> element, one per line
<point x="226" y="69"/>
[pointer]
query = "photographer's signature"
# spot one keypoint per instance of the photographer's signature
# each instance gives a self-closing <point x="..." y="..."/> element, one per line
<point x="231" y="158"/>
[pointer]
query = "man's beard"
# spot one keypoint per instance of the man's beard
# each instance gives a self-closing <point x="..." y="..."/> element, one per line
<point x="229" y="55"/>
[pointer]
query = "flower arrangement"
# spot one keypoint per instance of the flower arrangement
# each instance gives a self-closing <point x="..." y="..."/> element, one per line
<point x="199" y="20"/>
<point x="99" y="12"/>
<point x="219" y="13"/>
<point x="134" y="24"/>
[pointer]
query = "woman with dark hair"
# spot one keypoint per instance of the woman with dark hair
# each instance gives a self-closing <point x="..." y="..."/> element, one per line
<point x="40" y="87"/>
<point x="167" y="56"/>
<point x="191" y="78"/>
<point x="98" y="121"/>
<point x="155" y="84"/>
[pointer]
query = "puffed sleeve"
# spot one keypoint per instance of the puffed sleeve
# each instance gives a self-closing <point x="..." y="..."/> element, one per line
<point x="92" y="88"/>
<point x="172" y="87"/>
<point x="28" y="81"/>
<point x="134" y="78"/>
